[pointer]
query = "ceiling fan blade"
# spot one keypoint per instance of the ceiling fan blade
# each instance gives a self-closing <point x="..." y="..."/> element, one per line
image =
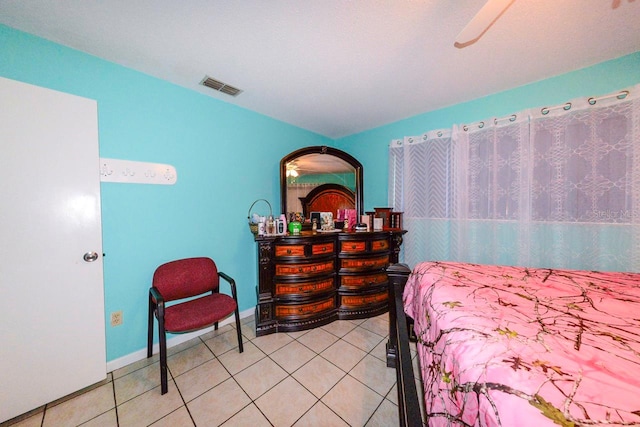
<point x="481" y="22"/>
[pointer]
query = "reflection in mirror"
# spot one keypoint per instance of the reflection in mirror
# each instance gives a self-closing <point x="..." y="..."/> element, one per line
<point x="312" y="170"/>
<point x="331" y="174"/>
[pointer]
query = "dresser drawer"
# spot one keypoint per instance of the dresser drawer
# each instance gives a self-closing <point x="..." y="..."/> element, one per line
<point x="322" y="249"/>
<point x="283" y="251"/>
<point x="361" y="301"/>
<point x="295" y="310"/>
<point x="360" y="281"/>
<point x="304" y="288"/>
<point x="289" y="250"/>
<point x="353" y="246"/>
<point x="305" y="269"/>
<point x="365" y="263"/>
<point x="379" y="245"/>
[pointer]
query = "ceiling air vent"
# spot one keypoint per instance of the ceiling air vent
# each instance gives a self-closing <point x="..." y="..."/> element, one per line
<point x="220" y="86"/>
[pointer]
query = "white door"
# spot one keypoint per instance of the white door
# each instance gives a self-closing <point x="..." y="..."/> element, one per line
<point x="52" y="328"/>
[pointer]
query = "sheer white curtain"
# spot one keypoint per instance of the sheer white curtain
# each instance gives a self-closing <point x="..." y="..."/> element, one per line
<point x="585" y="192"/>
<point x="423" y="186"/>
<point x="553" y="187"/>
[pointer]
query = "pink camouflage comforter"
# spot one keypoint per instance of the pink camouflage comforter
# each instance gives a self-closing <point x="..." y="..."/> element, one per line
<point x="508" y="346"/>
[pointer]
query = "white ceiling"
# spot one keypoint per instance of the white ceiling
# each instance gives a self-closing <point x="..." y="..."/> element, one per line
<point x="337" y="67"/>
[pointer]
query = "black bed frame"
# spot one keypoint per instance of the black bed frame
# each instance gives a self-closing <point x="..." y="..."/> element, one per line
<point x="398" y="352"/>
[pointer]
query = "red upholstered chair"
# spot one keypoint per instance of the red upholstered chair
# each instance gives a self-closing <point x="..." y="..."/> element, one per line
<point x="186" y="278"/>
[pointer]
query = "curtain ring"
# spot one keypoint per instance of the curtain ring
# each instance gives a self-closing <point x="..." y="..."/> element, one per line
<point x="544" y="111"/>
<point x="465" y="128"/>
<point x="567" y="106"/>
<point x="480" y="125"/>
<point x="410" y="140"/>
<point x="439" y="133"/>
<point x="623" y="94"/>
<point x="592" y="101"/>
<point x="511" y="118"/>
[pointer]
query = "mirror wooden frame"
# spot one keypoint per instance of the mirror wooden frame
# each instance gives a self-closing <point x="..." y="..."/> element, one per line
<point x="323" y="149"/>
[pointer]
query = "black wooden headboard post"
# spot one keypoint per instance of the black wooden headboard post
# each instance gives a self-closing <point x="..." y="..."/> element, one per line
<point x="398" y="275"/>
<point x="398" y="351"/>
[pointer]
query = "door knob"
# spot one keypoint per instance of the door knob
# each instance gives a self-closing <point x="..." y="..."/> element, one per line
<point x="90" y="256"/>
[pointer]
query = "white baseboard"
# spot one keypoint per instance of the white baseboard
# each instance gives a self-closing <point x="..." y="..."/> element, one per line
<point x="178" y="339"/>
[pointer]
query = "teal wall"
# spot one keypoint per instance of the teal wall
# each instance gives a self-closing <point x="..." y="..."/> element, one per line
<point x="371" y="147"/>
<point x="226" y="157"/>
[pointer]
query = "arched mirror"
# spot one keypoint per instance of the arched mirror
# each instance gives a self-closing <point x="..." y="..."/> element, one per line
<point x="320" y="178"/>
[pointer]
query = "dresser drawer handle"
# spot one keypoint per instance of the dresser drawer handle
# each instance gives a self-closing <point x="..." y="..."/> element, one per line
<point x="353" y="246"/>
<point x="324" y="249"/>
<point x="300" y="269"/>
<point x="288" y="251"/>
<point x="308" y="291"/>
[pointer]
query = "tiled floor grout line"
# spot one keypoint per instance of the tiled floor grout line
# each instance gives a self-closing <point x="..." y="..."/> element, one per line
<point x="115" y="402"/>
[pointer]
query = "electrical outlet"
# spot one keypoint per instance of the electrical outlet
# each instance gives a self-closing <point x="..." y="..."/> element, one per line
<point x="116" y="318"/>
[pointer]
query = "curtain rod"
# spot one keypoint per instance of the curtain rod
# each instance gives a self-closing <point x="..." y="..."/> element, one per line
<point x="511" y="118"/>
<point x="592" y="101"/>
<point x="566" y="106"/>
<point x="620" y="95"/>
<point x="479" y="124"/>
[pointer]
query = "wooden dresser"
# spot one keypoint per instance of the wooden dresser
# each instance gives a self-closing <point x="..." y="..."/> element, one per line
<point x="313" y="279"/>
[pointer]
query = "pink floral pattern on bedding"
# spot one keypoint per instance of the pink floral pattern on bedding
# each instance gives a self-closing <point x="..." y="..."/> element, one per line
<point x="508" y="346"/>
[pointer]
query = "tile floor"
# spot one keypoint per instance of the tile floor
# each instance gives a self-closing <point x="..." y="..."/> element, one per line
<point x="335" y="375"/>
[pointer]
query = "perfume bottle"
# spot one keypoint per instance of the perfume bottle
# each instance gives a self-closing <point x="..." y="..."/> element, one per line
<point x="270" y="225"/>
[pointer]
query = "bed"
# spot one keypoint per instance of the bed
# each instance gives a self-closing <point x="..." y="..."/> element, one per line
<point x="509" y="346"/>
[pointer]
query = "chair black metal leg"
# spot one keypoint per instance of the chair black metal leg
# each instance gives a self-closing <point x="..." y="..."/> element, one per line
<point x="163" y="356"/>
<point x="150" y="328"/>
<point x="239" y="331"/>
